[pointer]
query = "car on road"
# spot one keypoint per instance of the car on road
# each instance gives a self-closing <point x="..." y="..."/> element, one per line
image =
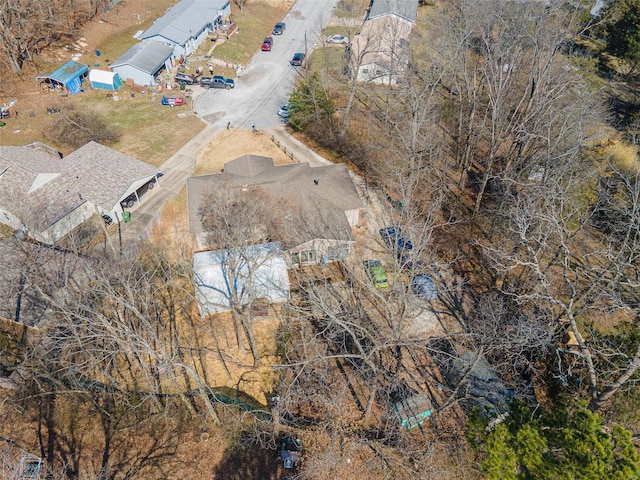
<point x="297" y="59"/>
<point x="285" y="110"/>
<point x="338" y="39"/>
<point x="376" y="273"/>
<point x="217" y="81"/>
<point x="172" y="101"/>
<point x="185" y="79"/>
<point x="267" y="43"/>
<point x="279" y="28"/>
<point x="423" y="287"/>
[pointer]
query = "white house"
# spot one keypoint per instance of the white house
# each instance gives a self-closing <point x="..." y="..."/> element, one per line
<point x="380" y="52"/>
<point x="46" y="196"/>
<point x="186" y="25"/>
<point x="142" y="62"/>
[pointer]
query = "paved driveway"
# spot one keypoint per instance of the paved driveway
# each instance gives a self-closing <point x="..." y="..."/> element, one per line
<point x="260" y="89"/>
<point x="267" y="81"/>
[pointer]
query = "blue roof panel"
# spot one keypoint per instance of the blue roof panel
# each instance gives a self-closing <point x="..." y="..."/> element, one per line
<point x="67" y="73"/>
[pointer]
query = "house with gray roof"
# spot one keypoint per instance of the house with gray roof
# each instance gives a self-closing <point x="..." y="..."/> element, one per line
<point x="142" y="62"/>
<point x="323" y="204"/>
<point x="404" y="9"/>
<point x="186" y="25"/>
<point x="46" y="196"/>
<point x="380" y="52"/>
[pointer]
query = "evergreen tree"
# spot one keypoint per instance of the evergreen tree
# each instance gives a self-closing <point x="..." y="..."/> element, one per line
<point x="623" y="31"/>
<point x="569" y="442"/>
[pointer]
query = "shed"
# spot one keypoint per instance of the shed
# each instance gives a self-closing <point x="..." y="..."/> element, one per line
<point x="143" y="61"/>
<point x="68" y="76"/>
<point x="104" y="80"/>
<point x="413" y="411"/>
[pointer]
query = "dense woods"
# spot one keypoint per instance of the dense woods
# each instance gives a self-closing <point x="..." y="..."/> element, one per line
<point x="493" y="156"/>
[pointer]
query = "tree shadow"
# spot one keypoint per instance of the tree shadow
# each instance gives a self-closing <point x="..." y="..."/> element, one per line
<point x="243" y="463"/>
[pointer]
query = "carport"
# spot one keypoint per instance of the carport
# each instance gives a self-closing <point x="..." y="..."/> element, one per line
<point x="69" y="76"/>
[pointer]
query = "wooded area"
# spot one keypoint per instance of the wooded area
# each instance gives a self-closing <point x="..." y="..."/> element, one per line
<point x="495" y="156"/>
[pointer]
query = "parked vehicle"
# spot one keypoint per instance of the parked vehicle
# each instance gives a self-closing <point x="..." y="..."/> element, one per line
<point x="399" y="245"/>
<point x="395" y="239"/>
<point x="285" y="110"/>
<point x="279" y="28"/>
<point x="217" y="81"/>
<point x="423" y="287"/>
<point x="338" y="39"/>
<point x="297" y="59"/>
<point x="267" y="43"/>
<point x="172" y="101"/>
<point x="376" y="273"/>
<point x="185" y="79"/>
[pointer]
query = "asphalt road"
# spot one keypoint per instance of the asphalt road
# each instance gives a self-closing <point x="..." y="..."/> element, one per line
<point x="261" y="88"/>
<point x="264" y="85"/>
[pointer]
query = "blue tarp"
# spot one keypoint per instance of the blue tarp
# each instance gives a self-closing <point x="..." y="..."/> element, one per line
<point x="70" y="75"/>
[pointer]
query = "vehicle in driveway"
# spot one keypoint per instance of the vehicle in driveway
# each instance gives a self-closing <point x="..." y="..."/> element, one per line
<point x="423" y="287"/>
<point x="267" y="43"/>
<point x="297" y="59"/>
<point x="172" y="101"/>
<point x="376" y="273"/>
<point x="217" y="81"/>
<point x="185" y="79"/>
<point x="279" y="28"/>
<point x="285" y="110"/>
<point x="338" y="39"/>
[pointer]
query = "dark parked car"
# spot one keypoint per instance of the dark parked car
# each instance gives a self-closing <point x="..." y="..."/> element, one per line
<point x="297" y="59"/>
<point x="279" y="28"/>
<point x="185" y="79"/>
<point x="395" y="240"/>
<point x="217" y="81"/>
<point x="267" y="43"/>
<point x="399" y="245"/>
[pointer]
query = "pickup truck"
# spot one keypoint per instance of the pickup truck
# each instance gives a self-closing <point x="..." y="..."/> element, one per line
<point x="173" y="101"/>
<point x="217" y="81"/>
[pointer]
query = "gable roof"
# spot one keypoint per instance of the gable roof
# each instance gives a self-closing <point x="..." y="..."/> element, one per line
<point x="406" y="9"/>
<point x="147" y="57"/>
<point x="185" y="20"/>
<point x="320" y="195"/>
<point x="37" y="183"/>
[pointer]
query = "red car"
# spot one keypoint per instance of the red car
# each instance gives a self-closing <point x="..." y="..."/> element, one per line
<point x="266" y="44"/>
<point x="172" y="101"/>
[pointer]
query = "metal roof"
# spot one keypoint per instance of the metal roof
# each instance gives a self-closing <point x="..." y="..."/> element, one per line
<point x="147" y="57"/>
<point x="66" y="73"/>
<point x="407" y="9"/>
<point x="185" y="20"/>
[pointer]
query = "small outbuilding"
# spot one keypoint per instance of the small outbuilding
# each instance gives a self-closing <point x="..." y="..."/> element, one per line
<point x="68" y="77"/>
<point x="104" y="80"/>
